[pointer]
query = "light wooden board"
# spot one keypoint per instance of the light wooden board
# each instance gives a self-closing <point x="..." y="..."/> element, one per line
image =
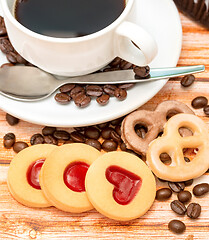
<point x="19" y="222"/>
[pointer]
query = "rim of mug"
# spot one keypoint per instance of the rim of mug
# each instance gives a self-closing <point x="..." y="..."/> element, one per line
<point x="101" y="32"/>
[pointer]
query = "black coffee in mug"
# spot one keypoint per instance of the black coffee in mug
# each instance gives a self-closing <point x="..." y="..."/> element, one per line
<point x="67" y="18"/>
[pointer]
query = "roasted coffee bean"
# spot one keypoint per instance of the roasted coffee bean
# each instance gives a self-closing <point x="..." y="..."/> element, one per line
<point x="110" y="89"/>
<point x="188" y="80"/>
<point x="188" y="182"/>
<point x="103" y="125"/>
<point x="11" y="119"/>
<point x="61" y="135"/>
<point x="140" y="131"/>
<point x="142" y="72"/>
<point x="3" y="30"/>
<point x="7" y="65"/>
<point x="110" y="69"/>
<point x="94" y="90"/>
<point x="178" y="207"/>
<point x="76" y="90"/>
<point x="176" y="226"/>
<point x="62" y="98"/>
<point x="82" y="100"/>
<point x="163" y="194"/>
<point x="48" y="130"/>
<point x="5" y="46"/>
<point x="66" y="88"/>
<point x="199" y="102"/>
<point x="115" y="136"/>
<point x="20" y="59"/>
<point x="164" y="157"/>
<point x="36" y="139"/>
<point x="120" y="94"/>
<point x="124" y="65"/>
<point x="116" y="121"/>
<point x="176" y="186"/>
<point x="14" y="58"/>
<point x="103" y="100"/>
<point x="193" y="210"/>
<point x="171" y="114"/>
<point x="184" y="196"/>
<point x="206" y="110"/>
<point x="92" y="132"/>
<point x="78" y="137"/>
<point x="186" y="159"/>
<point x="201" y="189"/>
<point x="109" y="145"/>
<point x="80" y="129"/>
<point x="9" y="140"/>
<point x="19" y="146"/>
<point x="106" y="132"/>
<point x="123" y="147"/>
<point x="115" y="62"/>
<point x="118" y="130"/>
<point x="126" y="86"/>
<point x="49" y="139"/>
<point x="94" y="143"/>
<point x="69" y="141"/>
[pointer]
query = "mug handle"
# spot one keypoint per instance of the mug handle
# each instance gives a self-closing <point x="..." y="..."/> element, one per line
<point x="128" y="34"/>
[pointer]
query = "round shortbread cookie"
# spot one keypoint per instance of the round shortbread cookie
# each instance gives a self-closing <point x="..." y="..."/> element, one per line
<point x="17" y="180"/>
<point x="128" y="174"/>
<point x="53" y="171"/>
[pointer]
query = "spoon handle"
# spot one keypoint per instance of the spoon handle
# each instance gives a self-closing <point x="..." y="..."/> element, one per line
<point x="128" y="76"/>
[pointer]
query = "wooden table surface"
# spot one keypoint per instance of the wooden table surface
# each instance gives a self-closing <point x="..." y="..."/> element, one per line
<point x="19" y="222"/>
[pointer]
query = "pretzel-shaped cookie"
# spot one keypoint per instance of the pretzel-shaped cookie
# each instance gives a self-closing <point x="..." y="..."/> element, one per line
<point x="172" y="143"/>
<point x="154" y="120"/>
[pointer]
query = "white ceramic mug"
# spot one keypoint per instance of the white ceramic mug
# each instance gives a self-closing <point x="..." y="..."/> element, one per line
<point x="81" y="55"/>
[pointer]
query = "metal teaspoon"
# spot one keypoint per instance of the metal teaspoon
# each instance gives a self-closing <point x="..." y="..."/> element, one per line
<point x="25" y="83"/>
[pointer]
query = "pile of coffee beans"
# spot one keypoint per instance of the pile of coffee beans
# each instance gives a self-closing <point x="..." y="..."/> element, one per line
<point x="105" y="136"/>
<point x="6" y="47"/>
<point x="83" y="94"/>
<point x="193" y="210"/>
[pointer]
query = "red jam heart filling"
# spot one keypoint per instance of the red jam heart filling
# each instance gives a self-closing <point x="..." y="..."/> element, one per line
<point x="33" y="173"/>
<point x="127" y="184"/>
<point x="74" y="176"/>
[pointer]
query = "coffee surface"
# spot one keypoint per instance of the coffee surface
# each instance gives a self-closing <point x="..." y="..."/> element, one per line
<point x="67" y="18"/>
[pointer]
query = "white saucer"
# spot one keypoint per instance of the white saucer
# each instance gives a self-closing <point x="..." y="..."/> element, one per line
<point x="161" y="19"/>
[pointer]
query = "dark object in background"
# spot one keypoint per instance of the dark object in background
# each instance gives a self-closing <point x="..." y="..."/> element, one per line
<point x="198" y="10"/>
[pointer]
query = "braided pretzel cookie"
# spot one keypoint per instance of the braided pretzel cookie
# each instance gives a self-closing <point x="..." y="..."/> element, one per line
<point x="172" y="143"/>
<point x="154" y="120"/>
